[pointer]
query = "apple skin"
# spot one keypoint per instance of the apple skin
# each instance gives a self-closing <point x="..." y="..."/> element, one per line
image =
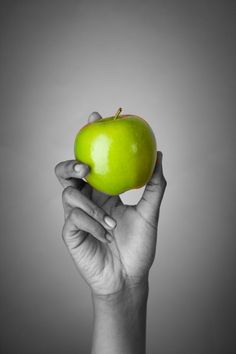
<point x="121" y="153"/>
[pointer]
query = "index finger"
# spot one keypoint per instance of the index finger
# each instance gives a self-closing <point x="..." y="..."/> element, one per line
<point x="71" y="172"/>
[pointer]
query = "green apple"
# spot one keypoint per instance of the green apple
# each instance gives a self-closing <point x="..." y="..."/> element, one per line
<point x="120" y="151"/>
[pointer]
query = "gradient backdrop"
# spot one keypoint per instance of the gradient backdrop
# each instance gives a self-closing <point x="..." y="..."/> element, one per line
<point x="172" y="62"/>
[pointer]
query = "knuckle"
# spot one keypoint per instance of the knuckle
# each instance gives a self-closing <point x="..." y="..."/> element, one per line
<point x="74" y="214"/>
<point x="164" y="181"/>
<point x="64" y="233"/>
<point x="96" y="213"/>
<point x="57" y="169"/>
<point x="67" y="193"/>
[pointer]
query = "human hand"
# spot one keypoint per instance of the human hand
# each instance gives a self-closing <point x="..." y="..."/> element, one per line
<point x="109" y="258"/>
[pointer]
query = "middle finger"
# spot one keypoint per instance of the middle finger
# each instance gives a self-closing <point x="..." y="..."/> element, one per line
<point x="73" y="198"/>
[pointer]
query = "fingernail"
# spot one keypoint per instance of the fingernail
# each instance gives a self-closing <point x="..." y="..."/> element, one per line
<point x="81" y="169"/>
<point x="109" y="238"/>
<point x="77" y="167"/>
<point x="110" y="222"/>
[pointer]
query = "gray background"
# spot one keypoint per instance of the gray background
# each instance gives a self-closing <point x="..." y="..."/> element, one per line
<point x="171" y="62"/>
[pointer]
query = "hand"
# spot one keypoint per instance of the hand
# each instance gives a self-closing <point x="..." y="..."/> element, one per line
<point x="109" y="258"/>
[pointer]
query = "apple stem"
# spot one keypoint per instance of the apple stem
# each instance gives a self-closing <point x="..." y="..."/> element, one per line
<point x="118" y="113"/>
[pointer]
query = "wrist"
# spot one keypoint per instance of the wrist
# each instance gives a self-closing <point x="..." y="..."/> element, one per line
<point x="122" y="317"/>
<point x="132" y="294"/>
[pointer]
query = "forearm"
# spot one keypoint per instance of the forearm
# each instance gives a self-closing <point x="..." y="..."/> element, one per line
<point x="120" y="322"/>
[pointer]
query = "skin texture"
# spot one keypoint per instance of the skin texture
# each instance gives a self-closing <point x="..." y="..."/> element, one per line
<point x="121" y="153"/>
<point x="114" y="261"/>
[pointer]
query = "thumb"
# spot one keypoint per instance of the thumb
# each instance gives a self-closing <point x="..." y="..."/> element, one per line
<point x="150" y="201"/>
